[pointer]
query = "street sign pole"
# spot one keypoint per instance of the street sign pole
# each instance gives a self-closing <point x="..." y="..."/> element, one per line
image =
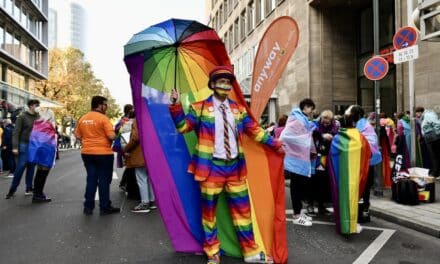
<point x="378" y="175"/>
<point x="410" y="9"/>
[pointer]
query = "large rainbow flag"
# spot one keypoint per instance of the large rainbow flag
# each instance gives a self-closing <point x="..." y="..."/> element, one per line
<point x="180" y="54"/>
<point x="348" y="163"/>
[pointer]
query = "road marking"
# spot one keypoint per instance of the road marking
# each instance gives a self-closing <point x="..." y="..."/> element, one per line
<point x="115" y="175"/>
<point x="371" y="251"/>
<point x="374" y="247"/>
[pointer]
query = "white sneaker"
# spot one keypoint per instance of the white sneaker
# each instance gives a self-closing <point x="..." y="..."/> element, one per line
<point x="141" y="208"/>
<point x="258" y="258"/>
<point x="358" y="228"/>
<point x="301" y="221"/>
<point x="306" y="217"/>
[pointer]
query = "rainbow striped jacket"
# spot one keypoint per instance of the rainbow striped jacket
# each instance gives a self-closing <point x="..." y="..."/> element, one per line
<point x="201" y="119"/>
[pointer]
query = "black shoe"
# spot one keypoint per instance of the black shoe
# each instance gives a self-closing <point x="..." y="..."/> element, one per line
<point x="9" y="195"/>
<point x="153" y="205"/>
<point x="41" y="199"/>
<point x="110" y="210"/>
<point x="88" y="211"/>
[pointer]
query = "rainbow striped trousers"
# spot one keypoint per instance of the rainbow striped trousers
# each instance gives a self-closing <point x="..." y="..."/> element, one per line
<point x="237" y="198"/>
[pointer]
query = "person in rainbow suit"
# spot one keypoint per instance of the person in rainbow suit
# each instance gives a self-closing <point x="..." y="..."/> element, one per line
<point x="218" y="163"/>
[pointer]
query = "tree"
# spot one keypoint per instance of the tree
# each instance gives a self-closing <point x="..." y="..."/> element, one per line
<point x="72" y="82"/>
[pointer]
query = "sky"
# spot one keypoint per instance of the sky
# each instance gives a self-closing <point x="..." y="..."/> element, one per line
<point x="110" y="25"/>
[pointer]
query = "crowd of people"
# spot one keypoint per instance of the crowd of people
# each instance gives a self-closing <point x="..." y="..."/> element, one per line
<point x="324" y="157"/>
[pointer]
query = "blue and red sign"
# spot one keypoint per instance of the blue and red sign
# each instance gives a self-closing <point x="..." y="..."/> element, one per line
<point x="405" y="37"/>
<point x="376" y="68"/>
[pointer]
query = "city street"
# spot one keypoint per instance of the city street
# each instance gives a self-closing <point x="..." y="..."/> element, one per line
<point x="58" y="232"/>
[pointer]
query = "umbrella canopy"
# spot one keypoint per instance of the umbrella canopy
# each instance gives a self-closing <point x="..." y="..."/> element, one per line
<point x="179" y="54"/>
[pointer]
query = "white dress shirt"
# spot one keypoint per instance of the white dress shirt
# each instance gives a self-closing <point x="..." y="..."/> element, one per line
<point x="219" y="147"/>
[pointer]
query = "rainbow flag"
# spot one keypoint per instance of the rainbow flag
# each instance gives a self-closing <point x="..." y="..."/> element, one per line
<point x="180" y="54"/>
<point x="42" y="144"/>
<point x="348" y="163"/>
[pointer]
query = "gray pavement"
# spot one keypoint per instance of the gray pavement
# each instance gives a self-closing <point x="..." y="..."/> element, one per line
<point x="58" y="232"/>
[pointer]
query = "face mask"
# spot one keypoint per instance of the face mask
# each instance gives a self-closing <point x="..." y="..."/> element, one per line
<point x="37" y="109"/>
<point x="223" y="86"/>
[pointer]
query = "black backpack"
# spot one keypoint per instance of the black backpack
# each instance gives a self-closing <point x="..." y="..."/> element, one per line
<point x="405" y="192"/>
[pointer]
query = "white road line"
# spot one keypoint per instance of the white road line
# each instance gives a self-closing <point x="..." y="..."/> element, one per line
<point x="115" y="175"/>
<point x="374" y="247"/>
<point x="371" y="251"/>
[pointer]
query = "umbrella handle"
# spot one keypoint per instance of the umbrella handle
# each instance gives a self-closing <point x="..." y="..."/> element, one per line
<point x="174" y="96"/>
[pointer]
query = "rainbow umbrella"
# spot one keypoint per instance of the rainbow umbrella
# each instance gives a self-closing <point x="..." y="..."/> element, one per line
<point x="179" y="54"/>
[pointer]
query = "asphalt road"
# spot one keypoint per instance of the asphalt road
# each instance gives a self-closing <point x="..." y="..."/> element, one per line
<point x="58" y="232"/>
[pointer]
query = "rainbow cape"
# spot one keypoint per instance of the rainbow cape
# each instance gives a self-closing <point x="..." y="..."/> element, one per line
<point x="348" y="163"/>
<point x="167" y="153"/>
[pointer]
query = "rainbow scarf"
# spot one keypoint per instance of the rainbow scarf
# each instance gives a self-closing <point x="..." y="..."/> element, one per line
<point x="348" y="164"/>
<point x="42" y="144"/>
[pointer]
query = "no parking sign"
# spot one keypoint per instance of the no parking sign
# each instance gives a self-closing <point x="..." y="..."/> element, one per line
<point x="376" y="68"/>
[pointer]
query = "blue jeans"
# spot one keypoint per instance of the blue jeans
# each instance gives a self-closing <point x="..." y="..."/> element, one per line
<point x="144" y="183"/>
<point x="99" y="174"/>
<point x="22" y="163"/>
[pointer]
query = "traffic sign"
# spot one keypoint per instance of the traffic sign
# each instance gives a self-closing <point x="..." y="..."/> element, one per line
<point x="376" y="68"/>
<point x="406" y="54"/>
<point x="405" y="37"/>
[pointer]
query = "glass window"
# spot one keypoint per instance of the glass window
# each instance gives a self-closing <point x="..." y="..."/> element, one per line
<point x="251" y="16"/>
<point x="17" y="44"/>
<point x="386" y="22"/>
<point x="24" y="19"/>
<point x="270" y="5"/>
<point x="220" y="20"/>
<point x="225" y="11"/>
<point x="243" y="25"/>
<point x="262" y="10"/>
<point x="367" y="94"/>
<point x="17" y="11"/>
<point x="8" y="43"/>
<point x="226" y="41"/>
<point x="231" y="39"/>
<point x="236" y="31"/>
<point x="366" y="32"/>
<point x="2" y="37"/>
<point x="9" y="6"/>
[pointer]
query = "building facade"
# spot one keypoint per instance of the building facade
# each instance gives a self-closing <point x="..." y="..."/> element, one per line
<point x="336" y="39"/>
<point x="23" y="49"/>
<point x="67" y="25"/>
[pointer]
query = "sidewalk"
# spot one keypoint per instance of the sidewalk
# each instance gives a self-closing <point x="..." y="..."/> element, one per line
<point x="424" y="217"/>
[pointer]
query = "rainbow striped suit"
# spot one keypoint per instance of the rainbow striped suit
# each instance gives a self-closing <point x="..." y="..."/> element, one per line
<point x="201" y="119"/>
<point x="217" y="176"/>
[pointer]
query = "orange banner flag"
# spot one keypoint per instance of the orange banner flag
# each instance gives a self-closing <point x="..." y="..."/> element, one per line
<point x="278" y="44"/>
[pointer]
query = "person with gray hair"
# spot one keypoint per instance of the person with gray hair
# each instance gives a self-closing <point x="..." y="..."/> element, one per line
<point x="42" y="151"/>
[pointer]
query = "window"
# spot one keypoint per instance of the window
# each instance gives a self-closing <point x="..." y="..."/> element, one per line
<point x="231" y="7"/>
<point x="17" y="44"/>
<point x="386" y="22"/>
<point x="225" y="11"/>
<point x="251" y="16"/>
<point x="9" y="6"/>
<point x="231" y="39"/>
<point x="8" y="43"/>
<point x="24" y="19"/>
<point x="2" y="37"/>
<point x="270" y="5"/>
<point x="17" y="11"/>
<point x="226" y="41"/>
<point x="236" y="31"/>
<point x="220" y="16"/>
<point x="259" y="12"/>
<point x="243" y="25"/>
<point x="24" y="54"/>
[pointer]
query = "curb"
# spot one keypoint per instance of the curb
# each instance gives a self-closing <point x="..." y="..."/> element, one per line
<point x="409" y="223"/>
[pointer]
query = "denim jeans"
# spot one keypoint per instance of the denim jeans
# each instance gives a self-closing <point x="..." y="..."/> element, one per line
<point x="22" y="163"/>
<point x="99" y="175"/>
<point x="144" y="183"/>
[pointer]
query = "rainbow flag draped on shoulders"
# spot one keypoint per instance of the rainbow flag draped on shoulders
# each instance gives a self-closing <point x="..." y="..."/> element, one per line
<point x="42" y="144"/>
<point x="348" y="163"/>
